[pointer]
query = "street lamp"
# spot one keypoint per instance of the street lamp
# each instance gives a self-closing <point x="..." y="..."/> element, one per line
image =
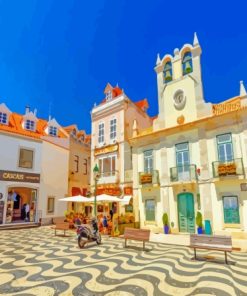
<point x="96" y="176"/>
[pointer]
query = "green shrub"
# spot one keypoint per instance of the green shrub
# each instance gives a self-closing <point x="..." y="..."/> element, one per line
<point x="165" y="219"/>
<point x="199" y="219"/>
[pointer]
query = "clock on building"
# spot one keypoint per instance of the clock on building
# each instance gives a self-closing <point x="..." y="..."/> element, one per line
<point x="179" y="99"/>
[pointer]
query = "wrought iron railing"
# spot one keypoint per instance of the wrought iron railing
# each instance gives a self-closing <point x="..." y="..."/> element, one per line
<point x="149" y="177"/>
<point x="233" y="167"/>
<point x="183" y="173"/>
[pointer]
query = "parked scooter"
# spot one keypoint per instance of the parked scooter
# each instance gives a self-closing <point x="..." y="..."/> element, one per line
<point x="88" y="234"/>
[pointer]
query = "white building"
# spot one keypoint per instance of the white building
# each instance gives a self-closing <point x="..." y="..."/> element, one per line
<point x="195" y="157"/>
<point x="112" y="122"/>
<point x="34" y="159"/>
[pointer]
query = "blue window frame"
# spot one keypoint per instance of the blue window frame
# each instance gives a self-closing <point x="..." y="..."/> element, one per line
<point x="53" y="131"/>
<point x="3" y="118"/>
<point x="225" y="149"/>
<point x="29" y="125"/>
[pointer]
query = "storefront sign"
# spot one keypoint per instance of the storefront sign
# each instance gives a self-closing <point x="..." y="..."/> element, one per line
<point x="106" y="149"/>
<point x="128" y="190"/>
<point x="19" y="177"/>
<point x="226" y="107"/>
<point x="243" y="186"/>
<point x="145" y="179"/>
<point x="116" y="191"/>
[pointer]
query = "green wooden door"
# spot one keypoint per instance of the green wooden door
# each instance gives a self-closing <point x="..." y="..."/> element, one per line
<point x="186" y="214"/>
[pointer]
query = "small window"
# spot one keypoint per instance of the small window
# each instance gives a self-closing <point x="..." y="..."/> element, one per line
<point x="113" y="128"/>
<point x="225" y="149"/>
<point x="51" y="205"/>
<point x="168" y="72"/>
<point x="29" y="125"/>
<point x="150" y="209"/>
<point x="53" y="131"/>
<point x="26" y="159"/>
<point x="108" y="95"/>
<point x="3" y="118"/>
<point x="148" y="161"/>
<point x="231" y="210"/>
<point x="187" y="63"/>
<point x="101" y="136"/>
<point x="76" y="163"/>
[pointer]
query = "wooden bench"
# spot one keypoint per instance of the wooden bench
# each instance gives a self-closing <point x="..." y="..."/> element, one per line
<point x="211" y="242"/>
<point x="60" y="225"/>
<point x="136" y="234"/>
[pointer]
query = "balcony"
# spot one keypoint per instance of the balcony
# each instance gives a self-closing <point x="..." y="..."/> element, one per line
<point x="228" y="168"/>
<point x="185" y="173"/>
<point x="149" y="178"/>
<point x="108" y="177"/>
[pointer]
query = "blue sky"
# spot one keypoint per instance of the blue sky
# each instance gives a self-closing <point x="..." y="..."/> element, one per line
<point x="61" y="53"/>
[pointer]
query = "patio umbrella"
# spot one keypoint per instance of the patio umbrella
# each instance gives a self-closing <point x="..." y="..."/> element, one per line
<point x="77" y="198"/>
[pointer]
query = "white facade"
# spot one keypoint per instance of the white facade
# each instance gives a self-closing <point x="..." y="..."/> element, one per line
<point x="196" y="172"/>
<point x="47" y="177"/>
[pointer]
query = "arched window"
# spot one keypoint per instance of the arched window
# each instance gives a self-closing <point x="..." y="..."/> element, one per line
<point x="168" y="71"/>
<point x="187" y="63"/>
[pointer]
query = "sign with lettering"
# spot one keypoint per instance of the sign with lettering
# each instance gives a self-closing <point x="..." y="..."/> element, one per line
<point x="146" y="178"/>
<point x="19" y="177"/>
<point x="106" y="149"/>
<point x="116" y="191"/>
<point x="226" y="107"/>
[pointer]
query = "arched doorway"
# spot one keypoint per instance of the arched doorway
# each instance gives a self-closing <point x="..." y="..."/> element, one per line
<point x="186" y="212"/>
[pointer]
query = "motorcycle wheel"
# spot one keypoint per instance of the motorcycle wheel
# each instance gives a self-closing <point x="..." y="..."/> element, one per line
<point x="98" y="241"/>
<point x="81" y="242"/>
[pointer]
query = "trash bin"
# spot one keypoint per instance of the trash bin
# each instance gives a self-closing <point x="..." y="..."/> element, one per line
<point x="208" y="229"/>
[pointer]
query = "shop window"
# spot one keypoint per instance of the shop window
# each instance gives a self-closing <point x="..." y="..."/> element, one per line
<point x="26" y="159"/>
<point x="53" y="131"/>
<point x="231" y="210"/>
<point x="113" y="128"/>
<point x="225" y="149"/>
<point x="51" y="205"/>
<point x="3" y="118"/>
<point x="29" y="125"/>
<point x="148" y="161"/>
<point x="187" y="63"/>
<point x="150" y="209"/>
<point x="101" y="136"/>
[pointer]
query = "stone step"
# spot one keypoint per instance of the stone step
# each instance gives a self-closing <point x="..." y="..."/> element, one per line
<point x="18" y="226"/>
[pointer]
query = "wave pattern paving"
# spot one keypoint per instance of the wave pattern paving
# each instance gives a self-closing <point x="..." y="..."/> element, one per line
<point x="35" y="262"/>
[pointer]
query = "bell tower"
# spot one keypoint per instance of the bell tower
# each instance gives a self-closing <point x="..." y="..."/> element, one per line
<point x="180" y="88"/>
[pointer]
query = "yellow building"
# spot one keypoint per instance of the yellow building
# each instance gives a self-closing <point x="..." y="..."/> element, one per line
<point x="79" y="165"/>
<point x="195" y="157"/>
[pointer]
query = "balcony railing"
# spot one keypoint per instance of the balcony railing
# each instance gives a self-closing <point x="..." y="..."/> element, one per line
<point x="233" y="167"/>
<point x="108" y="177"/>
<point x="151" y="177"/>
<point x="183" y="173"/>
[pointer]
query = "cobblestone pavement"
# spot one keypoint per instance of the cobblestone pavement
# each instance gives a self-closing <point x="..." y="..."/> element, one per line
<point x="35" y="262"/>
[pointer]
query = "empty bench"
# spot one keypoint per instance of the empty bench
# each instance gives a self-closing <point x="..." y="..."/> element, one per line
<point x="211" y="242"/>
<point x="60" y="225"/>
<point x="136" y="234"/>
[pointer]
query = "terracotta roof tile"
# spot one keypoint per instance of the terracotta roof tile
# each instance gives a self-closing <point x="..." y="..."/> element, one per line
<point x="15" y="126"/>
<point x="143" y="104"/>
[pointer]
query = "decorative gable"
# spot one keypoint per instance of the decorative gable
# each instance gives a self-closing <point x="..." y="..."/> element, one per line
<point x="4" y="114"/>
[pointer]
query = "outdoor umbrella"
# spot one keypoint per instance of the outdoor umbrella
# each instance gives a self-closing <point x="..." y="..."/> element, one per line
<point x="77" y="198"/>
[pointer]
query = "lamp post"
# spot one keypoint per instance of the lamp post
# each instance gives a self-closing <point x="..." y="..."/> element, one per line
<point x="96" y="176"/>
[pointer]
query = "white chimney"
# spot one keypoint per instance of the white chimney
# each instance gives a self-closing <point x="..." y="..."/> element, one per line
<point x="27" y="109"/>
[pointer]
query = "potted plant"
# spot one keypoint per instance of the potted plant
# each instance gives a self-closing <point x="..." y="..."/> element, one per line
<point x="199" y="222"/>
<point x="165" y="223"/>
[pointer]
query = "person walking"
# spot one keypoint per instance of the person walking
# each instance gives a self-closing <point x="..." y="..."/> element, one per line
<point x="27" y="210"/>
